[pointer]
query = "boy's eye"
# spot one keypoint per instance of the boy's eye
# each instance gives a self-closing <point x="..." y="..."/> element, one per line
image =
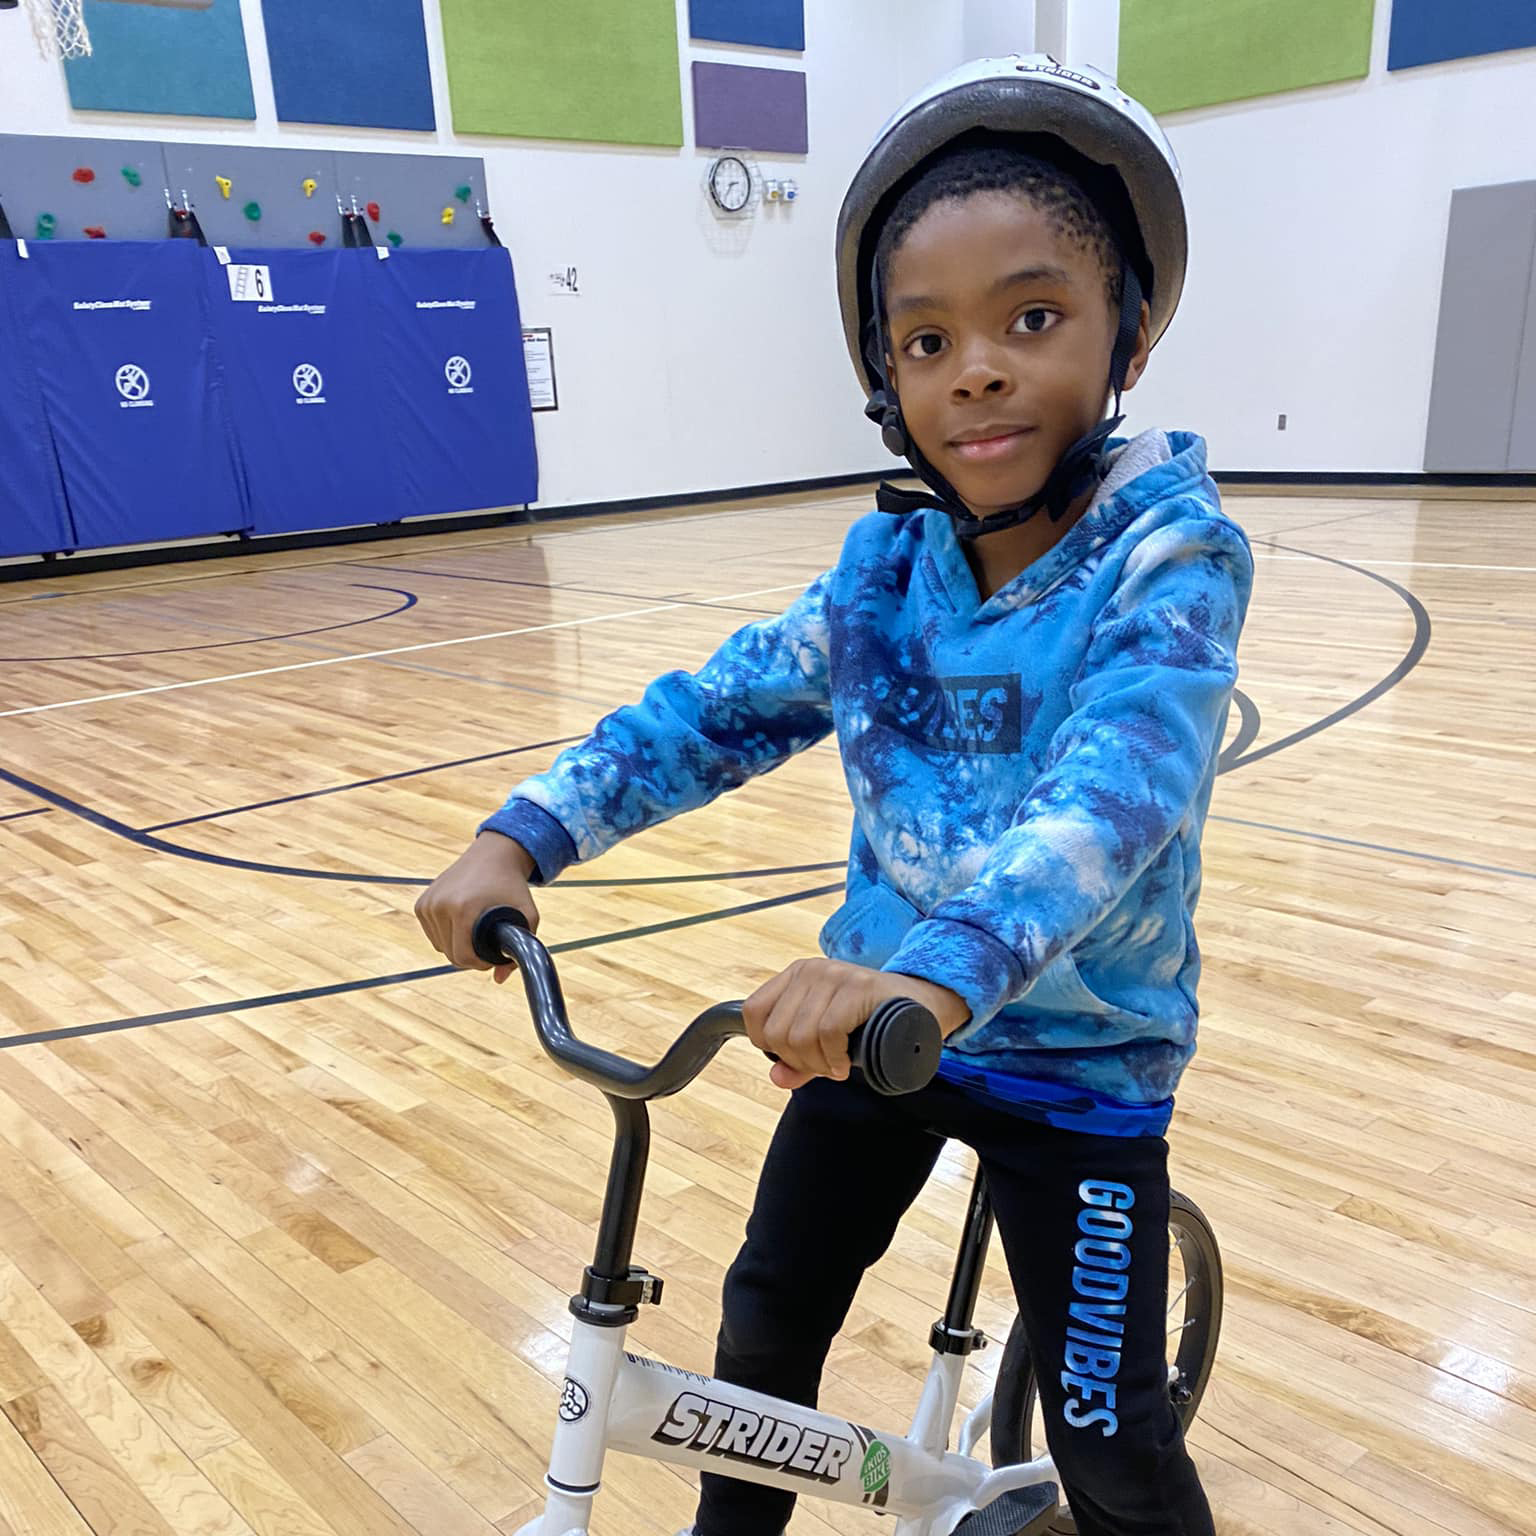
<point x="1036" y="320"/>
<point x="929" y="344"/>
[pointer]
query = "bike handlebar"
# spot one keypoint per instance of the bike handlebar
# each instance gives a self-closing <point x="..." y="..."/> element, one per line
<point x="897" y="1048"/>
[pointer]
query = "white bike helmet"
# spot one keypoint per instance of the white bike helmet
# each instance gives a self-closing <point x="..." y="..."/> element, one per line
<point x="1076" y="118"/>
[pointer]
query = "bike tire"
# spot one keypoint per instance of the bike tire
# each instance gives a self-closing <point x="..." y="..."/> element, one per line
<point x="1016" y="1398"/>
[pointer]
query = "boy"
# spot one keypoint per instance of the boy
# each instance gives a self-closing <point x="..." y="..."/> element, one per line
<point x="1028" y="668"/>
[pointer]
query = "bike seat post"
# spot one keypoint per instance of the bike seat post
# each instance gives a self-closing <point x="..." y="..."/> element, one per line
<point x="955" y="1333"/>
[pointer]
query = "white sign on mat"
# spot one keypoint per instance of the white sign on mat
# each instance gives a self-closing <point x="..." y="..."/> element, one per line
<point x="249" y="284"/>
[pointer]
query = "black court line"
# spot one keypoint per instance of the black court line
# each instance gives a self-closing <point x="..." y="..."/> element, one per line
<point x="1411" y="658"/>
<point x="219" y="645"/>
<point x="197" y="855"/>
<point x="1355" y="842"/>
<point x="383" y="778"/>
<point x="548" y="586"/>
<point x="1248" y="722"/>
<point x="41" y="810"/>
<point x="400" y="978"/>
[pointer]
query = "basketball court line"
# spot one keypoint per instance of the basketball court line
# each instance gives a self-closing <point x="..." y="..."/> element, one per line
<point x="399" y="650"/>
<point x="1413" y="565"/>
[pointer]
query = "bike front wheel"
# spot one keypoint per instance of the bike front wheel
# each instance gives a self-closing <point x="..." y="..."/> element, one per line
<point x="1194" y="1329"/>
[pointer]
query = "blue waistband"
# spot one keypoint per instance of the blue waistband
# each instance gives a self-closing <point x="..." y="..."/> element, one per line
<point x="1057" y="1104"/>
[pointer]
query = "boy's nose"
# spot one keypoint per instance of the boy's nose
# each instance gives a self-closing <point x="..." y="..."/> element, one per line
<point x="981" y="375"/>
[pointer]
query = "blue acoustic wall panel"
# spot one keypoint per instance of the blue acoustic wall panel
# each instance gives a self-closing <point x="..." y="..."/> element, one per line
<point x="164" y="59"/>
<point x="1430" y="31"/>
<point x="359" y="62"/>
<point x="761" y="23"/>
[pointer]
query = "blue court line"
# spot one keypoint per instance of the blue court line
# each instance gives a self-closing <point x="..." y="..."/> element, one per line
<point x="371" y="983"/>
<point x="1354" y="842"/>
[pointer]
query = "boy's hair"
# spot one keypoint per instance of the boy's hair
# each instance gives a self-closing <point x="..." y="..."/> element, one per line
<point x="968" y="168"/>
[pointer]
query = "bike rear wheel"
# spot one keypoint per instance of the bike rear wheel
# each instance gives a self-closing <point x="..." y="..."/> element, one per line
<point x="1194" y="1330"/>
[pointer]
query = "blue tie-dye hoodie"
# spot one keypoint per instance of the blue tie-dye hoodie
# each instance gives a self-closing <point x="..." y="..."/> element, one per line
<point x="1030" y="774"/>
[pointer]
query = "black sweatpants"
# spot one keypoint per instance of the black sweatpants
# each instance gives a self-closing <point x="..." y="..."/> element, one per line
<point x="845" y="1164"/>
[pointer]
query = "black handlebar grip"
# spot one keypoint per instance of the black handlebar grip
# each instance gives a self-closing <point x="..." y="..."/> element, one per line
<point x="898" y="1049"/>
<point x="483" y="940"/>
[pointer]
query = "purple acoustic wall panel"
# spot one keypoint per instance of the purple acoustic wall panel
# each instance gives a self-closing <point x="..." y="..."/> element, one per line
<point x="739" y="107"/>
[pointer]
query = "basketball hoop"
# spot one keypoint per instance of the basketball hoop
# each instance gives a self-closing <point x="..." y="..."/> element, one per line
<point x="59" y="26"/>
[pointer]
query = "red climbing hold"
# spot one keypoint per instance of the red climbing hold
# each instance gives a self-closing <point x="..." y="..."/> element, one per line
<point x="373" y="212"/>
<point x="84" y="173"/>
<point x="316" y="238"/>
<point x="95" y="232"/>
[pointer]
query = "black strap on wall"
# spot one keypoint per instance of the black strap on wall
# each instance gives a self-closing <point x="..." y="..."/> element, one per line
<point x="5" y="225"/>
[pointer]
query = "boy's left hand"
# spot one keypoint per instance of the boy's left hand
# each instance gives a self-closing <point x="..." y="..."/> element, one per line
<point x="805" y="1014"/>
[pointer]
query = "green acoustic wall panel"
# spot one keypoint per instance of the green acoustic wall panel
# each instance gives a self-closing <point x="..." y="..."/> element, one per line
<point x="600" y="70"/>
<point x="1194" y="53"/>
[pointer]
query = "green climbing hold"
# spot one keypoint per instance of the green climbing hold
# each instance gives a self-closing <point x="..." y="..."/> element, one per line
<point x="462" y="193"/>
<point x="395" y="239"/>
<point x="46" y="224"/>
<point x="132" y="177"/>
<point x="253" y="211"/>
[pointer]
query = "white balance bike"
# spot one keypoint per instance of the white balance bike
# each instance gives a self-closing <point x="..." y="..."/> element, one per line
<point x="614" y="1400"/>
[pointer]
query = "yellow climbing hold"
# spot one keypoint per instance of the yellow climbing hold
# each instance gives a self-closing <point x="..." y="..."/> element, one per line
<point x="224" y="186"/>
<point x="309" y="186"/>
<point x="447" y="215"/>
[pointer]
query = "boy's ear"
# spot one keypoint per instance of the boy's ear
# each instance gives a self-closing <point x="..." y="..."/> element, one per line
<point x="1143" y="350"/>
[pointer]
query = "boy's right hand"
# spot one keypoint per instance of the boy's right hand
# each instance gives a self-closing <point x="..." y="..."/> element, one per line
<point x="492" y="872"/>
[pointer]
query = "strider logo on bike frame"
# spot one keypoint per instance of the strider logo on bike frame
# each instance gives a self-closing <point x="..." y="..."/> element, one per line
<point x="739" y="1434"/>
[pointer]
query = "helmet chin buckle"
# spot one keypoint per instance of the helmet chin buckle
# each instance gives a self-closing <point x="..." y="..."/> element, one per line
<point x="885" y="412"/>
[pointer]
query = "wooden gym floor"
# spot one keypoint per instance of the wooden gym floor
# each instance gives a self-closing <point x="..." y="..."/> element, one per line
<point x="288" y="1218"/>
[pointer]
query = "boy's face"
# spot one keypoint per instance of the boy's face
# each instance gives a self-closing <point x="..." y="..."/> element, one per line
<point x="1001" y="332"/>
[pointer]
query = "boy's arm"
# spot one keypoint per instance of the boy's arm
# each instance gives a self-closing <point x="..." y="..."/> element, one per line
<point x="762" y="697"/>
<point x="1123" y="771"/>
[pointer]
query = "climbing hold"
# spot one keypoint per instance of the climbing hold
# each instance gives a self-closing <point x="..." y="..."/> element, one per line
<point x="95" y="232"/>
<point x="224" y="185"/>
<point x="46" y="224"/>
<point x="84" y="175"/>
<point x="252" y="211"/>
<point x="373" y="212"/>
<point x="131" y="176"/>
<point x="462" y="193"/>
<point x="447" y="215"/>
<point x="309" y="186"/>
<point x="316" y="238"/>
<point x="395" y="239"/>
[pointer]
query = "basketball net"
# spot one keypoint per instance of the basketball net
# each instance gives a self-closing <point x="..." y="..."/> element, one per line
<point x="59" y="26"/>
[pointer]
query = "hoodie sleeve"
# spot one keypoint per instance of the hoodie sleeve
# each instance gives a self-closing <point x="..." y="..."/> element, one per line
<point x="1124" y="771"/>
<point x="761" y="698"/>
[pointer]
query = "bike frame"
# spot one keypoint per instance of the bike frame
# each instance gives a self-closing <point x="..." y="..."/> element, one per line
<point x="613" y="1400"/>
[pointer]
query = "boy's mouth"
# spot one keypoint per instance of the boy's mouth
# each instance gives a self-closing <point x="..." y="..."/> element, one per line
<point x="994" y="440"/>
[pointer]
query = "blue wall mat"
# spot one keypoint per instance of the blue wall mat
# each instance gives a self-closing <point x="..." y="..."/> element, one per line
<point x="1429" y="31"/>
<point x="764" y="23"/>
<point x="118" y="335"/>
<point x="456" y="412"/>
<point x="33" y="517"/>
<point x="165" y="60"/>
<point x="304" y="386"/>
<point x="361" y="62"/>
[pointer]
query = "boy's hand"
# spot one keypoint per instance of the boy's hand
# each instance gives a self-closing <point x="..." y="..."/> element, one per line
<point x="806" y="1013"/>
<point x="492" y="872"/>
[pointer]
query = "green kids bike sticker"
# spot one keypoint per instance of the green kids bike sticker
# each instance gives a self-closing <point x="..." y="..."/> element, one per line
<point x="876" y="1471"/>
